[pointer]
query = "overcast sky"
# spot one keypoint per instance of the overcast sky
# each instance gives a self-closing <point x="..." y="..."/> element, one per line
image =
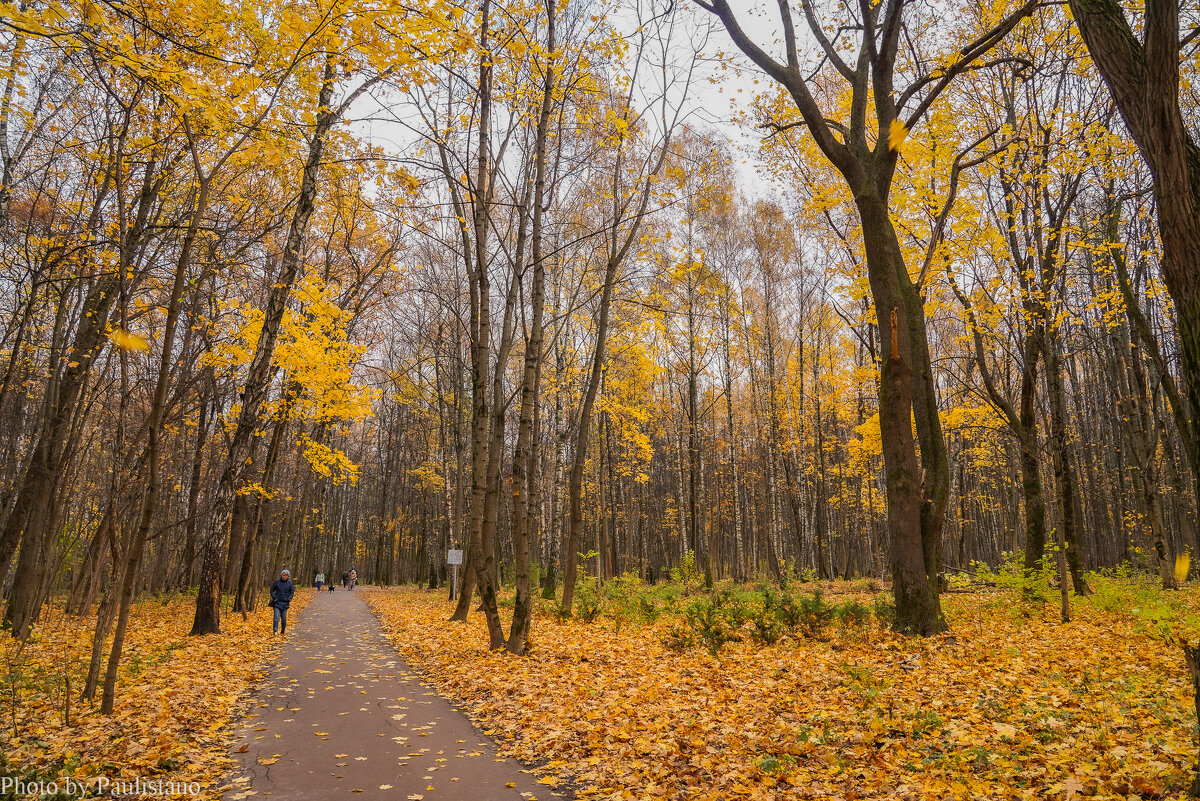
<point x="713" y="105"/>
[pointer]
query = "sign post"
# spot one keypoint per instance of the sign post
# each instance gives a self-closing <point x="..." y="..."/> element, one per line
<point x="454" y="559"/>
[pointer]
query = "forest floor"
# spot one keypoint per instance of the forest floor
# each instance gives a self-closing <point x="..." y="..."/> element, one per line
<point x="176" y="696"/>
<point x="1011" y="703"/>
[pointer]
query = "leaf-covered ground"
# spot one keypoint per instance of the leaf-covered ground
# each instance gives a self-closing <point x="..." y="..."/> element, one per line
<point x="1011" y="704"/>
<point x="175" y="696"/>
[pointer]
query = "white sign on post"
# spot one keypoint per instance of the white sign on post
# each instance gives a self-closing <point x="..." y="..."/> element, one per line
<point x="454" y="559"/>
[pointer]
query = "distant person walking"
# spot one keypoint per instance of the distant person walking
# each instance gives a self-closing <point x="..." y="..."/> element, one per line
<point x="353" y="577"/>
<point x="319" y="580"/>
<point x="345" y="580"/>
<point x="281" y="597"/>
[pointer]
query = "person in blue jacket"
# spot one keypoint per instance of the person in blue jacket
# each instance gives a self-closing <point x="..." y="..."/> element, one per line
<point x="281" y="597"/>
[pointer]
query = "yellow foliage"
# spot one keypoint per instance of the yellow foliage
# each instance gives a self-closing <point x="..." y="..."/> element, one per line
<point x="329" y="462"/>
<point x="869" y="444"/>
<point x="427" y="477"/>
<point x="239" y="333"/>
<point x="316" y="355"/>
<point x="255" y="488"/>
<point x="897" y="133"/>
<point x="126" y="340"/>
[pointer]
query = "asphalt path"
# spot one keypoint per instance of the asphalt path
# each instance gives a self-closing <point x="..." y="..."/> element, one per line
<point x="342" y="714"/>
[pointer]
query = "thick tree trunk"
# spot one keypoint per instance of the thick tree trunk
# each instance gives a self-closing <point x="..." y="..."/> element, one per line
<point x="916" y="492"/>
<point x="482" y="547"/>
<point x="1034" y="500"/>
<point x="1031" y="474"/>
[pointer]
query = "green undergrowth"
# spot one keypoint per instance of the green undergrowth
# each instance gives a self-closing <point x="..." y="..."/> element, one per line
<point x="694" y="616"/>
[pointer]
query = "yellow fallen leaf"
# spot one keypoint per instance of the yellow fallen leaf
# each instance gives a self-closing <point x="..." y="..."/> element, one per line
<point x="128" y="341"/>
<point x="385" y="787"/>
<point x="897" y="133"/>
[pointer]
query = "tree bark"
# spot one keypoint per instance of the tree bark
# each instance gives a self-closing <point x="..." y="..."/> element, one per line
<point x="482" y="547"/>
<point x="518" y="635"/>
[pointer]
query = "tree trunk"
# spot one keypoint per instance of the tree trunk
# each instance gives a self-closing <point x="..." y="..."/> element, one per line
<point x="1064" y="468"/>
<point x="522" y="603"/>
<point x="482" y="549"/>
<point x="207" y="619"/>
<point x="915" y="511"/>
